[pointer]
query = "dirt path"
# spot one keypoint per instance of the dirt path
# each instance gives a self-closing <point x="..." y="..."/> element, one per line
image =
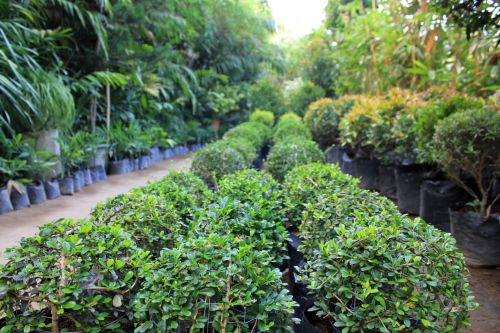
<point x="485" y="285"/>
<point x="25" y="222"/>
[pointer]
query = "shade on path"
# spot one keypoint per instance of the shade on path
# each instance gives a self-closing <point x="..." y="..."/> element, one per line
<point x="25" y="222"/>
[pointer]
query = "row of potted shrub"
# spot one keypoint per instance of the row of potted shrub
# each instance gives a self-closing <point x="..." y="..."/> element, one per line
<point x="431" y="151"/>
<point x="32" y="176"/>
<point x="162" y="258"/>
<point x="170" y="257"/>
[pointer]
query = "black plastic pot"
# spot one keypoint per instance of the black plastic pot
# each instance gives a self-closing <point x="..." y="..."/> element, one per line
<point x="87" y="177"/>
<point x="347" y="165"/>
<point x="155" y="154"/>
<point x="119" y="167"/>
<point x="67" y="185"/>
<point x="436" y="199"/>
<point x="334" y="155"/>
<point x="52" y="190"/>
<point x="5" y="204"/>
<point x="310" y="323"/>
<point x="367" y="171"/>
<point x="19" y="200"/>
<point x="144" y="162"/>
<point x="36" y="193"/>
<point x="387" y="181"/>
<point x="478" y="240"/>
<point x="78" y="181"/>
<point x="296" y="258"/>
<point x="408" y="180"/>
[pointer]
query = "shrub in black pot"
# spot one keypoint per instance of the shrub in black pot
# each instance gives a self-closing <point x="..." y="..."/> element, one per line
<point x="387" y="180"/>
<point x="466" y="144"/>
<point x="334" y="154"/>
<point x="52" y="190"/>
<point x="323" y="118"/>
<point x="408" y="181"/>
<point x="82" y="269"/>
<point x="436" y="199"/>
<point x="10" y="169"/>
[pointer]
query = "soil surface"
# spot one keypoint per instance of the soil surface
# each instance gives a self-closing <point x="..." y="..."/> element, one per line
<point x="25" y="222"/>
<point x="485" y="285"/>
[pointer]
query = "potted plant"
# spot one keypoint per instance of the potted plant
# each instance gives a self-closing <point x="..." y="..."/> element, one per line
<point x="439" y="194"/>
<point x="39" y="168"/>
<point x="354" y="130"/>
<point x="10" y="170"/>
<point x="71" y="158"/>
<point x="120" y="148"/>
<point x="466" y="146"/>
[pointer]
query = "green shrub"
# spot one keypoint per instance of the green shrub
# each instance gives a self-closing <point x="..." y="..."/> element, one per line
<point x="256" y="133"/>
<point x="288" y="154"/>
<point x="151" y="220"/>
<point x="322" y="118"/>
<point x="389" y="276"/>
<point x="266" y="95"/>
<point x="79" y="273"/>
<point x="216" y="160"/>
<point x="290" y="116"/>
<point x="467" y="143"/>
<point x="289" y="128"/>
<point x="244" y="147"/>
<point x="428" y="117"/>
<point x="263" y="117"/>
<point x="308" y="183"/>
<point x="184" y="190"/>
<point x="321" y="214"/>
<point x="246" y="221"/>
<point x="256" y="188"/>
<point x="300" y="98"/>
<point x="215" y="284"/>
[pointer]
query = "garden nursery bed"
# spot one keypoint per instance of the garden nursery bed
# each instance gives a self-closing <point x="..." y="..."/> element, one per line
<point x="231" y="248"/>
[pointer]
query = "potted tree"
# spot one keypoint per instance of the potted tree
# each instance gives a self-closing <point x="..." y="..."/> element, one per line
<point x="71" y="158"/>
<point x="466" y="145"/>
<point x="9" y="170"/>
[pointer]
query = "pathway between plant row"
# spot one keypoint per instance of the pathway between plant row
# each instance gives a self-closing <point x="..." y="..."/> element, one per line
<point x="25" y="222"/>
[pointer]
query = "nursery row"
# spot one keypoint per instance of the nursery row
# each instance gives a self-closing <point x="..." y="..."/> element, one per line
<point x="31" y="176"/>
<point x="175" y="256"/>
<point x="431" y="151"/>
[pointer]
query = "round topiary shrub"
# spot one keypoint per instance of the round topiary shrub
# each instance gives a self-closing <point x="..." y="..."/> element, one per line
<point x="184" y="190"/>
<point x="307" y="183"/>
<point x="214" y="284"/>
<point x="71" y="277"/>
<point x="290" y="116"/>
<point x="323" y="118"/>
<point x="245" y="221"/>
<point x="263" y="117"/>
<point x="151" y="220"/>
<point x="244" y="147"/>
<point x="290" y="129"/>
<point x="467" y="143"/>
<point x="255" y="188"/>
<point x="256" y="133"/>
<point x="216" y="160"/>
<point x="288" y="154"/>
<point x="397" y="275"/>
